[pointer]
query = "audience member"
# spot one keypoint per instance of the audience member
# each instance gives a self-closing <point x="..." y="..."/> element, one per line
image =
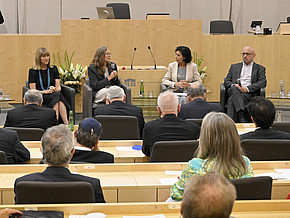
<point x="117" y="106"/>
<point x="243" y="82"/>
<point x="5" y="213"/>
<point x="57" y="149"/>
<point x="219" y="150"/>
<point x="31" y="115"/>
<point x="102" y="74"/>
<point x="210" y="195"/>
<point x="86" y="149"/>
<point x="45" y="78"/>
<point x="169" y="127"/>
<point x="15" y="151"/>
<point x="197" y="107"/>
<point x="262" y="112"/>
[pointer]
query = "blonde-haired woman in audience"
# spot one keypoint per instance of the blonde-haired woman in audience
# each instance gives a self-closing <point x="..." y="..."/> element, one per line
<point x="219" y="150"/>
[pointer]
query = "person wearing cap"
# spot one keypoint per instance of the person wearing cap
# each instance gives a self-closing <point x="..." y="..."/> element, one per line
<point x="117" y="106"/>
<point x="87" y="138"/>
<point x="57" y="146"/>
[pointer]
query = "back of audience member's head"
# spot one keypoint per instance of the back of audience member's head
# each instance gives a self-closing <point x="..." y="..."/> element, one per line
<point x="89" y="132"/>
<point x="115" y="92"/>
<point x="57" y="145"/>
<point x="33" y="96"/>
<point x="210" y="195"/>
<point x="167" y="102"/>
<point x="219" y="141"/>
<point x="263" y="111"/>
<point x="196" y="91"/>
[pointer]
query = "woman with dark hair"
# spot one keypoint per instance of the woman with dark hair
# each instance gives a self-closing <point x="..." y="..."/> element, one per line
<point x="44" y="77"/>
<point x="182" y="73"/>
<point x="102" y="74"/>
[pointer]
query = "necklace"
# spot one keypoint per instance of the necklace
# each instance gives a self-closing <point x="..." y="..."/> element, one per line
<point x="48" y="80"/>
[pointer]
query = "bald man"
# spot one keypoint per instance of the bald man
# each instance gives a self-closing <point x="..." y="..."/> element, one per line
<point x="169" y="127"/>
<point x="243" y="82"/>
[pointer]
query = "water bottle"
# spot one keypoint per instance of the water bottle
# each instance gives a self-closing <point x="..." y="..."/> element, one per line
<point x="142" y="89"/>
<point x="71" y="121"/>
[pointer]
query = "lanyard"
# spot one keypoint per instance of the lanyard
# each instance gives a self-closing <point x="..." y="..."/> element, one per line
<point x="48" y="80"/>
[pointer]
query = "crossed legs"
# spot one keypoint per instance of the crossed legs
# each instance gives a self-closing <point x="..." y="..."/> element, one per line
<point x="60" y="109"/>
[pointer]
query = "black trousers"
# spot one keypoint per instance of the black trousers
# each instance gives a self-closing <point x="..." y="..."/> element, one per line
<point x="237" y="101"/>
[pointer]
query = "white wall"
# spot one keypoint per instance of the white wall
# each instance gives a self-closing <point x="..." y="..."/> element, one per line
<point x="42" y="16"/>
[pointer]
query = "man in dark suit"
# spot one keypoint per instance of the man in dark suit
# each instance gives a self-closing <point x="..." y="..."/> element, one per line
<point x="31" y="115"/>
<point x="197" y="107"/>
<point x="243" y="82"/>
<point x="117" y="106"/>
<point x="262" y="112"/>
<point x="14" y="149"/>
<point x="58" y="149"/>
<point x="169" y="127"/>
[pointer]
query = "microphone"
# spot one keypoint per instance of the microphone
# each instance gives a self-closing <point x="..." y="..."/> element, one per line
<point x="1" y="18"/>
<point x="133" y="58"/>
<point x="114" y="68"/>
<point x="152" y="57"/>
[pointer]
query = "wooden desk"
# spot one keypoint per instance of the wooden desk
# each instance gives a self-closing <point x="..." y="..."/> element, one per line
<point x="242" y="209"/>
<point x="137" y="182"/>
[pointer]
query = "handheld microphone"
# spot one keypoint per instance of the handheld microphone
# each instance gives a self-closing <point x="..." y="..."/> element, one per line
<point x="133" y="58"/>
<point x="152" y="57"/>
<point x="114" y="68"/>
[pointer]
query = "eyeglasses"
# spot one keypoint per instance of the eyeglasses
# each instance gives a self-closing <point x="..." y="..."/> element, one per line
<point x="246" y="54"/>
<point x="109" y="54"/>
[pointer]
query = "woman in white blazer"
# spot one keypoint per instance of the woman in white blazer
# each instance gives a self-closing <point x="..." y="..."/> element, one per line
<point x="182" y="73"/>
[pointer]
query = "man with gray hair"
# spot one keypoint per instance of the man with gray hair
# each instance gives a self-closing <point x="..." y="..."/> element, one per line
<point x="117" y="106"/>
<point x="57" y="149"/>
<point x="31" y="115"/>
<point x="209" y="195"/>
<point x="169" y="127"/>
<point x="197" y="107"/>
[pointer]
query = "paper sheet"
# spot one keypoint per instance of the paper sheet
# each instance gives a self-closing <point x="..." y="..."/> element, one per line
<point x="90" y="215"/>
<point x="173" y="172"/>
<point x="124" y="148"/>
<point x="167" y="181"/>
<point x="275" y="176"/>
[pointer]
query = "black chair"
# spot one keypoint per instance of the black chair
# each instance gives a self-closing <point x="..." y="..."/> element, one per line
<point x="28" y="134"/>
<point x="66" y="91"/>
<point x="224" y="96"/>
<point x="288" y="19"/>
<point x="89" y="106"/>
<point x="255" y="188"/>
<point x="173" y="151"/>
<point x="3" y="158"/>
<point x="121" y="10"/>
<point x="118" y="127"/>
<point x="163" y="87"/>
<point x="221" y="27"/>
<point x="33" y="192"/>
<point x="197" y="121"/>
<point x="281" y="126"/>
<point x="266" y="150"/>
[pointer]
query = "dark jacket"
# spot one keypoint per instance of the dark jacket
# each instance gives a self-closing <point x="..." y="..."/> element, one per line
<point x="168" y="128"/>
<point x="92" y="156"/>
<point x="269" y="133"/>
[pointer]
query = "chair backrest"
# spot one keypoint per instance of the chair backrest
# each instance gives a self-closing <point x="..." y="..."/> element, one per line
<point x="121" y="10"/>
<point x="33" y="192"/>
<point x="3" y="158"/>
<point x="281" y="126"/>
<point x="255" y="188"/>
<point x="221" y="27"/>
<point x="118" y="127"/>
<point x="288" y="19"/>
<point x="28" y="134"/>
<point x="173" y="151"/>
<point x="197" y="121"/>
<point x="266" y="150"/>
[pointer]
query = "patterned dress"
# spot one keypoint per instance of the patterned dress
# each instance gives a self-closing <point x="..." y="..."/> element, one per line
<point x="198" y="166"/>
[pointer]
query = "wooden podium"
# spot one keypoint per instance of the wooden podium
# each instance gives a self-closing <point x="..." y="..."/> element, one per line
<point x="151" y="78"/>
<point x="284" y="29"/>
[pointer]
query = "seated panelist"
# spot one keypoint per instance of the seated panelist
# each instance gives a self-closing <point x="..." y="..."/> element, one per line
<point x="45" y="77"/>
<point x="182" y="73"/>
<point x="58" y="149"/>
<point x="102" y="74"/>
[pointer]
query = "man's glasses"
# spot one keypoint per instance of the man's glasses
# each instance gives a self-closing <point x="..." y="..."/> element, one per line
<point x="246" y="54"/>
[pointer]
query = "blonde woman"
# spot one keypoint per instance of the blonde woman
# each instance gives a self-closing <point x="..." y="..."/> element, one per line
<point x="44" y="77"/>
<point x="219" y="150"/>
<point x="102" y="74"/>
